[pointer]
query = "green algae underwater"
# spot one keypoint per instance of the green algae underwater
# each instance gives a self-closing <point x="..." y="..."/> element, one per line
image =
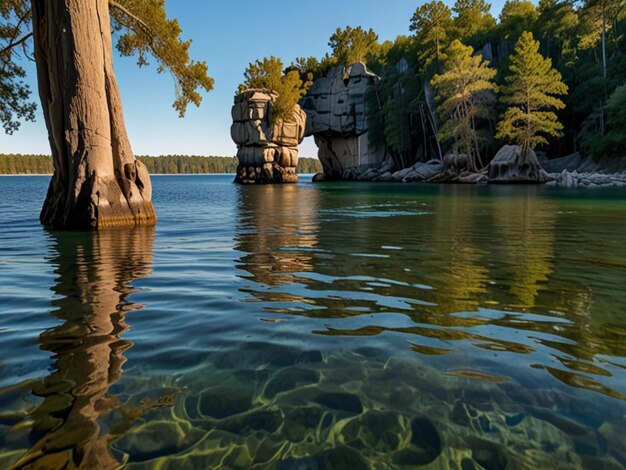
<point x="317" y="326"/>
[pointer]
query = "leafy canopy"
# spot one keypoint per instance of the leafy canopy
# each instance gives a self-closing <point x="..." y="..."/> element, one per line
<point x="531" y="91"/>
<point x="268" y="74"/>
<point x="465" y="93"/>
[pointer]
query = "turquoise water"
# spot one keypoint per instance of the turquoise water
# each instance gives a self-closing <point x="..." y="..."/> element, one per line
<point x="339" y="325"/>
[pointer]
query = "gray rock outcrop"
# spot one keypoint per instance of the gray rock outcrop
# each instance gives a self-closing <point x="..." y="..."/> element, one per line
<point x="267" y="149"/>
<point x="508" y="166"/>
<point x="576" y="179"/>
<point x="337" y="117"/>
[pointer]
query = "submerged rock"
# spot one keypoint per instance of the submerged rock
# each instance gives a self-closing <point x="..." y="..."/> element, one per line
<point x="340" y="401"/>
<point x="380" y="431"/>
<point x="221" y="402"/>
<point x="340" y="458"/>
<point x="255" y="420"/>
<point x="489" y="455"/>
<point x="289" y="379"/>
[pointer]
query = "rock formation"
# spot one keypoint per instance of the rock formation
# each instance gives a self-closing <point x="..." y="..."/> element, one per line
<point x="337" y="117"/>
<point x="267" y="148"/>
<point x="508" y="166"/>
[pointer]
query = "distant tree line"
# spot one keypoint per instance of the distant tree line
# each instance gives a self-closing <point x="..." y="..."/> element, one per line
<point x="166" y="165"/>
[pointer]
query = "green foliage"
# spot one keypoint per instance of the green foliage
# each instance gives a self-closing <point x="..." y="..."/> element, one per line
<point x="432" y="23"/>
<point x="466" y="95"/>
<point x="473" y="21"/>
<point x="25" y="165"/>
<point x="350" y="45"/>
<point x="531" y="91"/>
<point x="268" y="74"/>
<point x="142" y="28"/>
<point x="516" y="17"/>
<point x="15" y="106"/>
<point x="146" y="31"/>
<point x="613" y="142"/>
<point x="396" y="99"/>
<point x="168" y="164"/>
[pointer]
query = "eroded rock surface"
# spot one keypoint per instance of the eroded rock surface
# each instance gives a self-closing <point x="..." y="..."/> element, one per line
<point x="337" y="117"/>
<point x="267" y="147"/>
<point x="508" y="166"/>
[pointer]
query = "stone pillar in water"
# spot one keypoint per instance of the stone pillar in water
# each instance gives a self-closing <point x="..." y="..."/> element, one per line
<point x="267" y="148"/>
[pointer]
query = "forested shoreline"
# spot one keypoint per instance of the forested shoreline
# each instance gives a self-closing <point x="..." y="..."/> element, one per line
<point x="549" y="76"/>
<point x="17" y="164"/>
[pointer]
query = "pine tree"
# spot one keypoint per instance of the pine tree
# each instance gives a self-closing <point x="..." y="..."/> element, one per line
<point x="352" y="45"/>
<point x="268" y="74"/>
<point x="531" y="91"/>
<point x="466" y="93"/>
<point x="473" y="19"/>
<point x="431" y="23"/>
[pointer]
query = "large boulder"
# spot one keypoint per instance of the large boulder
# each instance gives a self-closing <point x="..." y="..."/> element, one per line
<point x="509" y="166"/>
<point x="267" y="147"/>
<point x="337" y="116"/>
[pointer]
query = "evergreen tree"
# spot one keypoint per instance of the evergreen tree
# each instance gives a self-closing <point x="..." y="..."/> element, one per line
<point x="268" y="74"/>
<point x="350" y="45"/>
<point x="516" y="17"/>
<point x="531" y="91"/>
<point x="613" y="142"/>
<point x="15" y="106"/>
<point x="466" y="94"/>
<point x="473" y="20"/>
<point x="431" y="24"/>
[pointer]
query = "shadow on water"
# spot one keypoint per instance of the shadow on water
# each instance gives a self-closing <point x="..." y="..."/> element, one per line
<point x="95" y="275"/>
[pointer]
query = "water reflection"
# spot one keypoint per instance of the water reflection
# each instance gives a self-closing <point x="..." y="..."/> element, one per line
<point x="449" y="269"/>
<point x="95" y="276"/>
<point x="276" y="231"/>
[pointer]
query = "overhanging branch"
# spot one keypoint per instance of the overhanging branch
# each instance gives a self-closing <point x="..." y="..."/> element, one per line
<point x="22" y="40"/>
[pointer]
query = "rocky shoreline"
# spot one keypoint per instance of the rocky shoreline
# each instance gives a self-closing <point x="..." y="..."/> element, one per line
<point x="574" y="179"/>
<point x="434" y="171"/>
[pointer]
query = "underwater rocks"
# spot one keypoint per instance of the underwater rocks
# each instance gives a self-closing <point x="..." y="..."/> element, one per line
<point x="267" y="148"/>
<point x="374" y="412"/>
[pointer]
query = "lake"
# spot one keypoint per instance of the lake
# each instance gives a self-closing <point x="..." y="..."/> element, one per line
<point x="342" y="325"/>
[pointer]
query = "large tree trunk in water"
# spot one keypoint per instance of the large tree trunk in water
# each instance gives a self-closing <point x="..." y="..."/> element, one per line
<point x="97" y="181"/>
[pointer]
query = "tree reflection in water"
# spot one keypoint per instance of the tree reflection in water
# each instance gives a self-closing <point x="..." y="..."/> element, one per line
<point x="95" y="273"/>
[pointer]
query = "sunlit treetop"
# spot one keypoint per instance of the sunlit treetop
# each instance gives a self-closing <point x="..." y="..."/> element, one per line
<point x="269" y="74"/>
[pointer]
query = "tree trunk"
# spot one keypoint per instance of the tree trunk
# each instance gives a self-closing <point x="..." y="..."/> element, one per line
<point x="97" y="181"/>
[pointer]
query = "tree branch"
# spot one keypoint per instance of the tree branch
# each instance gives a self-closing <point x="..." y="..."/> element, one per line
<point x="129" y="14"/>
<point x="11" y="45"/>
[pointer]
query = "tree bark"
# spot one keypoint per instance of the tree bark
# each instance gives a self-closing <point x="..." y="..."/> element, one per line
<point x="97" y="181"/>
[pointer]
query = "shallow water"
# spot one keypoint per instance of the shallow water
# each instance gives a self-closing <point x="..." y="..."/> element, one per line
<point x="317" y="326"/>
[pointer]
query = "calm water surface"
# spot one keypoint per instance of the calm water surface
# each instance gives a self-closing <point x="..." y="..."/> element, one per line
<point x="317" y="326"/>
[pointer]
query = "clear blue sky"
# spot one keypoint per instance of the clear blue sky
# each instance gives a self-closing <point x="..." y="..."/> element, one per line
<point x="227" y="34"/>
